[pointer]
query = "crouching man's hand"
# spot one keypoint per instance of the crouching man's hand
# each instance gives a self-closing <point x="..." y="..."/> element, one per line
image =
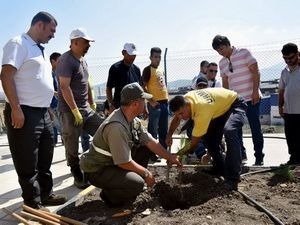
<point x="149" y="178"/>
<point x="174" y="159"/>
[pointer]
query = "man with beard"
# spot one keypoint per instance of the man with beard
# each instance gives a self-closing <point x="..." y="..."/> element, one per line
<point x="27" y="83"/>
<point x="75" y="100"/>
<point x="289" y="94"/>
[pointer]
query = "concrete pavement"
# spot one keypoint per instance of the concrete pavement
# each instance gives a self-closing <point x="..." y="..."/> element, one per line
<point x="10" y="192"/>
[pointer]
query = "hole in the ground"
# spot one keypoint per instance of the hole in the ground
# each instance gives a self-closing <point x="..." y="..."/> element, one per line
<point x="171" y="197"/>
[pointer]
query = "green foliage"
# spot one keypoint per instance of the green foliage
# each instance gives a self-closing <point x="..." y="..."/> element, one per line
<point x="284" y="173"/>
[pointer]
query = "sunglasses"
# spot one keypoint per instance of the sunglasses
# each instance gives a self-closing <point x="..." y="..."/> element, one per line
<point x="289" y="58"/>
<point x="230" y="67"/>
<point x="213" y="71"/>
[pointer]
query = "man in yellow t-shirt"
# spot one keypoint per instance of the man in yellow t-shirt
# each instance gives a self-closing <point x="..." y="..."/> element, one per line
<point x="215" y="111"/>
<point x="154" y="83"/>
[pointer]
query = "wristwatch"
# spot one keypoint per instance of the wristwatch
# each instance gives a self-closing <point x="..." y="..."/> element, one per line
<point x="110" y="104"/>
<point x="146" y="174"/>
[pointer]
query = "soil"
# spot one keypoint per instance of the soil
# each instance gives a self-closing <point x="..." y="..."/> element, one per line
<point x="193" y="197"/>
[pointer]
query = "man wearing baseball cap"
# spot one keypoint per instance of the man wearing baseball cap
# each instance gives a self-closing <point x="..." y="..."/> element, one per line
<point x="122" y="73"/>
<point x="75" y="101"/>
<point x="118" y="158"/>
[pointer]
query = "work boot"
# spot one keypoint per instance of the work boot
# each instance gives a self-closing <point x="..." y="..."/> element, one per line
<point x="53" y="199"/>
<point x="79" y="180"/>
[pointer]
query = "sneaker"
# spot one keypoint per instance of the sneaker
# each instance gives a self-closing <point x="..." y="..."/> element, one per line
<point x="231" y="185"/>
<point x="36" y="205"/>
<point x="53" y="199"/>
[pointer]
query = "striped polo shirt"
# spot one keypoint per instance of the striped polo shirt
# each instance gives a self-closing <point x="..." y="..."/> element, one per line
<point x="241" y="79"/>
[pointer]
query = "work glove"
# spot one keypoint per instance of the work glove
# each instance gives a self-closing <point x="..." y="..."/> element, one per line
<point x="78" y="117"/>
<point x="93" y="106"/>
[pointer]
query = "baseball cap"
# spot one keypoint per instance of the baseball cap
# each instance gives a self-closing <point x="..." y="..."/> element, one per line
<point x="132" y="92"/>
<point x="80" y="33"/>
<point x="130" y="48"/>
<point x="201" y="80"/>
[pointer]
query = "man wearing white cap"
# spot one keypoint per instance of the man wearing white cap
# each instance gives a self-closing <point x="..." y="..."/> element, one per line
<point x="75" y="100"/>
<point x="117" y="160"/>
<point x="122" y="73"/>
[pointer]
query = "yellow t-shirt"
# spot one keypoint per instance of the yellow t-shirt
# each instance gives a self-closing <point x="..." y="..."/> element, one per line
<point x="157" y="85"/>
<point x="208" y="104"/>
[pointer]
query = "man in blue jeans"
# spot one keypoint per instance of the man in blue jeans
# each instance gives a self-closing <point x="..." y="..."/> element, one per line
<point x="154" y="83"/>
<point x="240" y="73"/>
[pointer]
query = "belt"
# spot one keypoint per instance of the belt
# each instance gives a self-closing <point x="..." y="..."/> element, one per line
<point x="101" y="151"/>
<point x="163" y="101"/>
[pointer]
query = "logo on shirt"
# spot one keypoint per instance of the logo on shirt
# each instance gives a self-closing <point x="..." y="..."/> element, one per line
<point x="204" y="95"/>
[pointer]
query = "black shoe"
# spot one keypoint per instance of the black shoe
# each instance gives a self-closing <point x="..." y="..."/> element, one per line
<point x="213" y="172"/>
<point x="293" y="161"/>
<point x="108" y="202"/>
<point x="231" y="185"/>
<point x="36" y="205"/>
<point x="79" y="180"/>
<point x="258" y="162"/>
<point x="53" y="199"/>
<point x="244" y="157"/>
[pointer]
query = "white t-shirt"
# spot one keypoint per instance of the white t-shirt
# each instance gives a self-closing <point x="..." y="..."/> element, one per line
<point x="290" y="83"/>
<point x="33" y="78"/>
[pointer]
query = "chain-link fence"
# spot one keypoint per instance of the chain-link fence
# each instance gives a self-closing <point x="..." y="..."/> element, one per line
<point x="182" y="66"/>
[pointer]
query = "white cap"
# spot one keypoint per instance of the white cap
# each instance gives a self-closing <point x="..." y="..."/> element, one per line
<point x="130" y="48"/>
<point x="80" y="33"/>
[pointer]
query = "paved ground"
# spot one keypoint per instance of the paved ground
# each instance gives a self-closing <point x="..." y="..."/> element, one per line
<point x="275" y="150"/>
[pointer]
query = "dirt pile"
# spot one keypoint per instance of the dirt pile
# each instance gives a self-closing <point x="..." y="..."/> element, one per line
<point x="197" y="198"/>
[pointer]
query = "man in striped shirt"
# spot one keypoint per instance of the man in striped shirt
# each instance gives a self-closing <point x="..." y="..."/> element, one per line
<point x="239" y="72"/>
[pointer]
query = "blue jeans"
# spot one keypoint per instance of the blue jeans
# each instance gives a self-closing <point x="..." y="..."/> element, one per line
<point x="252" y="114"/>
<point x="158" y="122"/>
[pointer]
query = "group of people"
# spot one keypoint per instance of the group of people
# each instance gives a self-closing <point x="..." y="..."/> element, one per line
<point x="121" y="146"/>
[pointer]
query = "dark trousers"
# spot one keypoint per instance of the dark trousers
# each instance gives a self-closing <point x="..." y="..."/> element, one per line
<point x="229" y="124"/>
<point x="291" y="128"/>
<point x="71" y="133"/>
<point x="118" y="185"/>
<point x="31" y="148"/>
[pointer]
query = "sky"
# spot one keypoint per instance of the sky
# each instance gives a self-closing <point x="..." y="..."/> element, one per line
<point x="181" y="26"/>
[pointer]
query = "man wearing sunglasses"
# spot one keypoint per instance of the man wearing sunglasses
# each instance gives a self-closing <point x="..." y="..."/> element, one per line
<point x="239" y="72"/>
<point x="211" y="75"/>
<point x="289" y="105"/>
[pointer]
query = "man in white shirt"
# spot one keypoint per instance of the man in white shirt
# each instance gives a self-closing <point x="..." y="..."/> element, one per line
<point x="27" y="83"/>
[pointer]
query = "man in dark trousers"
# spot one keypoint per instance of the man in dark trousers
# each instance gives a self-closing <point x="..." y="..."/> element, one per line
<point x="27" y="83"/>
<point x="122" y="73"/>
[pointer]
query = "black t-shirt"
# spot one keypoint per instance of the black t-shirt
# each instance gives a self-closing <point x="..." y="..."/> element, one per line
<point x="119" y="75"/>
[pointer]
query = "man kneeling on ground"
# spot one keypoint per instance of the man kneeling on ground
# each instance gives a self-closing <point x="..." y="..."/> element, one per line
<point x="214" y="111"/>
<point x="119" y="154"/>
